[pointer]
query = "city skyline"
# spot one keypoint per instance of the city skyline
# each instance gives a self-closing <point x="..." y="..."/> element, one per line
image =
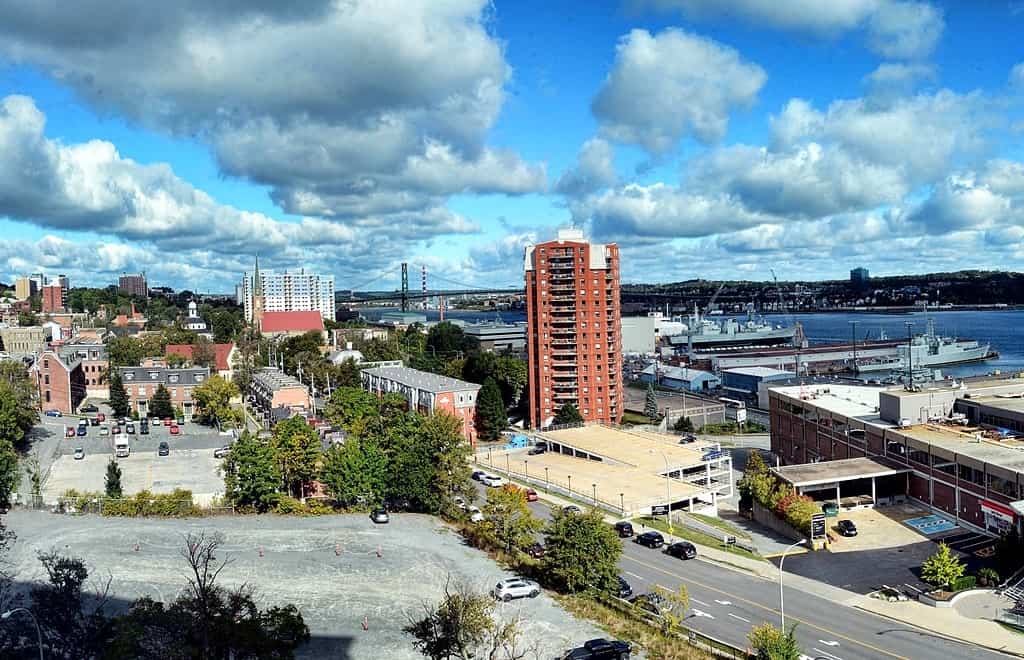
<point x="878" y="134"/>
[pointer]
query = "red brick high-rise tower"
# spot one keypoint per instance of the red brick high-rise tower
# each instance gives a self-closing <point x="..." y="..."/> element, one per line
<point x="573" y="332"/>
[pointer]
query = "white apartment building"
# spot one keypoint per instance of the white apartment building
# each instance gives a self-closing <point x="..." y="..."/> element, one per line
<point x="290" y="292"/>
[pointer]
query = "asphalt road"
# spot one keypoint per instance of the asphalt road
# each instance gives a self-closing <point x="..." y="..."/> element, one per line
<point x="727" y="603"/>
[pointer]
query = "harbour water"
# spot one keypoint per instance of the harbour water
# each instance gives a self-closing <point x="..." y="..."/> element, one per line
<point x="1004" y="330"/>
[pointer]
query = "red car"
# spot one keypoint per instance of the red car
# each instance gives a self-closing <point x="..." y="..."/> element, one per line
<point x="168" y="421"/>
<point x="174" y="429"/>
<point x="69" y="432"/>
<point x="101" y="417"/>
<point x="531" y="495"/>
<point x="115" y="430"/>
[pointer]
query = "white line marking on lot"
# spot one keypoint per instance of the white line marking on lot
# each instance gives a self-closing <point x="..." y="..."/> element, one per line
<point x="700" y="602"/>
<point x="738" y="617"/>
<point x="639" y="577"/>
<point x="702" y="613"/>
<point x="723" y="602"/>
<point x="830" y="642"/>
<point x="828" y="655"/>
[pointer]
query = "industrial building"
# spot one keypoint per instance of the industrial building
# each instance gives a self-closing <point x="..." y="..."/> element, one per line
<point x="427" y="393"/>
<point x="498" y="337"/>
<point x="679" y="378"/>
<point x="752" y="382"/>
<point x="639" y="334"/>
<point x="573" y="329"/>
<point x="958" y="448"/>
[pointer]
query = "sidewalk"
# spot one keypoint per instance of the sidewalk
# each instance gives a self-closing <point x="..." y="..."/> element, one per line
<point x="944" y="622"/>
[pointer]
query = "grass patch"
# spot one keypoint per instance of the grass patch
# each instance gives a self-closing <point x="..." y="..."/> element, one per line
<point x="723" y="525"/>
<point x="618" y="625"/>
<point x="698" y="537"/>
<point x="630" y="417"/>
<point x="1011" y="627"/>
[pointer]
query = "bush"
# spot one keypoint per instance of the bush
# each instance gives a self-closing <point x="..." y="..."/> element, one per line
<point x="177" y="503"/>
<point x="988" y="576"/>
<point x="288" y="505"/>
<point x="965" y="582"/>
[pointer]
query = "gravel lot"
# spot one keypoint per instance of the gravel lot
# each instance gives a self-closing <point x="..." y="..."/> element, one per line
<point x="327" y="566"/>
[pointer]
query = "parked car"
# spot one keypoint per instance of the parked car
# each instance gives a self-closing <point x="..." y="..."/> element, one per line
<point x="600" y="649"/>
<point x="397" y="504"/>
<point x="459" y="502"/>
<point x="168" y="421"/>
<point x="475" y="515"/>
<point x="830" y="508"/>
<point x="511" y="588"/>
<point x="682" y="550"/>
<point x="163" y="449"/>
<point x="535" y="550"/>
<point x="104" y="430"/>
<point x="650" y="539"/>
<point x="79" y="453"/>
<point x="89" y="408"/>
<point x="115" y="429"/>
<point x="687" y="438"/>
<point x="538" y="448"/>
<point x="492" y="481"/>
<point x="69" y="432"/>
<point x="129" y="428"/>
<point x="82" y="430"/>
<point x="52" y="413"/>
<point x="847" y="528"/>
<point x="101" y="417"/>
<point x="572" y="508"/>
<point x="175" y="430"/>
<point x="623" y="590"/>
<point x="221" y="452"/>
<point x="181" y="420"/>
<point x="531" y="495"/>
<point x="143" y="428"/>
<point x="624" y="529"/>
<point x="477" y="474"/>
<point x="379" y="516"/>
<point x="653" y="603"/>
<point x="94" y="421"/>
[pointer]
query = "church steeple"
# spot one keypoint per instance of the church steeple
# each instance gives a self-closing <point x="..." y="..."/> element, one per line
<point x="257" y="296"/>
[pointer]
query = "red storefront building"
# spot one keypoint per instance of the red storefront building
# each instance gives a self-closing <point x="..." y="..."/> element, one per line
<point x="959" y="447"/>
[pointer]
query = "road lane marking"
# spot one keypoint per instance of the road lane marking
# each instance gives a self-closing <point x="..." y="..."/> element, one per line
<point x="700" y="602"/>
<point x="639" y="577"/>
<point x="702" y="613"/>
<point x="828" y="655"/>
<point x="736" y="616"/>
<point x="723" y="602"/>
<point x="830" y="642"/>
<point x="765" y="608"/>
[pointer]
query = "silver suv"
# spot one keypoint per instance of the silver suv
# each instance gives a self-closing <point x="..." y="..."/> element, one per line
<point x="511" y="588"/>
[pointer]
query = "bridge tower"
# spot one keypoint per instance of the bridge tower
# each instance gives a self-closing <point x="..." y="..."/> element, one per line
<point x="405" y="287"/>
<point x="423" y="279"/>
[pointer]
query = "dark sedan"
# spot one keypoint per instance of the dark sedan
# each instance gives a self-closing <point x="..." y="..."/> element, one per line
<point x="624" y="529"/>
<point x="847" y="528"/>
<point x="623" y="590"/>
<point x="681" y="550"/>
<point x="650" y="539"/>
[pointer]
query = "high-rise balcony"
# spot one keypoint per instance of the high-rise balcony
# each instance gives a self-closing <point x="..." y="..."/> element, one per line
<point x="564" y="319"/>
<point x="565" y="396"/>
<point x="561" y="286"/>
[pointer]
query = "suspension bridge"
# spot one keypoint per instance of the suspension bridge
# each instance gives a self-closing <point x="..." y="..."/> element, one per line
<point x="404" y="295"/>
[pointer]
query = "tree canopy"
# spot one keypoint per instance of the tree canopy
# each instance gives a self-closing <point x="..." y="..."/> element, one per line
<point x="213" y="401"/>
<point x="296" y="448"/>
<point x="118" y="396"/>
<point x="581" y="551"/>
<point x="251" y="475"/>
<point x="567" y="414"/>
<point x="491" y="418"/>
<point x="160" y="405"/>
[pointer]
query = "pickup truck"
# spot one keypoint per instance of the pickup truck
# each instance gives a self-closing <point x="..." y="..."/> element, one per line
<point x="600" y="649"/>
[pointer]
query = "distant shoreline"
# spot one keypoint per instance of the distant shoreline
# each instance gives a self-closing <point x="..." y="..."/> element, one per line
<point x="907" y="310"/>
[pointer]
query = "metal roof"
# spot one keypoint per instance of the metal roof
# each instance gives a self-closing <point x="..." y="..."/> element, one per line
<point x="421" y="380"/>
<point x="847" y="469"/>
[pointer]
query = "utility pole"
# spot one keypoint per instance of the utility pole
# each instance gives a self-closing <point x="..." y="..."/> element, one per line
<point x="853" y="329"/>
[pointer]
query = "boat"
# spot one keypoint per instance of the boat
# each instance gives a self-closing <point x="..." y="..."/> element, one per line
<point x="930" y="350"/>
<point x="701" y="332"/>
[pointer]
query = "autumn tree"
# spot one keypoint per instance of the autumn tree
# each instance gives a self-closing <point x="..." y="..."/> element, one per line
<point x="213" y="401"/>
<point x="508" y="522"/>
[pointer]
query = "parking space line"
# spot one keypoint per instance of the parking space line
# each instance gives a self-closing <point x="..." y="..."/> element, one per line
<point x="827" y="654"/>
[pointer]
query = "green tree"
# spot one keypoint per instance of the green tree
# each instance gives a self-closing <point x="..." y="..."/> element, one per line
<point x="651" y="405"/>
<point x="112" y="482"/>
<point x="160" y="405"/>
<point x="225" y="324"/>
<point x="567" y="414"/>
<point x="771" y="643"/>
<point x="251" y="475"/>
<point x="124" y="352"/>
<point x="356" y="469"/>
<point x="117" y="395"/>
<point x="447" y="340"/>
<point x="17" y="403"/>
<point x="676" y="604"/>
<point x="581" y="551"/>
<point x="683" y="425"/>
<point x="508" y="522"/>
<point x="491" y="418"/>
<point x="347" y="374"/>
<point x="9" y="474"/>
<point x="463" y="626"/>
<point x="213" y="401"/>
<point x="429" y="462"/>
<point x="351" y="408"/>
<point x="296" y="447"/>
<point x="757" y="483"/>
<point x="203" y="352"/>
<point x="942" y="568"/>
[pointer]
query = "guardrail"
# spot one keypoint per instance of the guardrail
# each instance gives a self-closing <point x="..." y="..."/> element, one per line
<point x="712" y="531"/>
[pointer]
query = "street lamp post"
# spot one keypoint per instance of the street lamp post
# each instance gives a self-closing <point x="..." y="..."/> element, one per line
<point x="547" y="483"/>
<point x="508" y="464"/>
<point x="594" y="486"/>
<point x="570" y="484"/>
<point x="622" y="504"/>
<point x="39" y="634"/>
<point x="782" y="601"/>
<point x="526" y="468"/>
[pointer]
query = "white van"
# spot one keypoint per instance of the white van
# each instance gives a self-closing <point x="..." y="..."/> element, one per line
<point x="121" y="449"/>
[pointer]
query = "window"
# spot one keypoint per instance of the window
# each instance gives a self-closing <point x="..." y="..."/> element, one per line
<point x="129" y="376"/>
<point x="173" y="378"/>
<point x="967" y="473"/>
<point x="47" y="396"/>
<point x="46" y="365"/>
<point x="199" y="378"/>
<point x="1002" y="486"/>
<point x="46" y="379"/>
<point x="918" y="456"/>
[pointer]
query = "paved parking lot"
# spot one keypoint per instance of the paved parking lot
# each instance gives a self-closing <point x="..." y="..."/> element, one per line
<point x="190" y="464"/>
<point x="878" y="528"/>
<point x="327" y="566"/>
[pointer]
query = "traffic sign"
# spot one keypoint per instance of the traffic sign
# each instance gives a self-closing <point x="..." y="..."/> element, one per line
<point x="659" y="510"/>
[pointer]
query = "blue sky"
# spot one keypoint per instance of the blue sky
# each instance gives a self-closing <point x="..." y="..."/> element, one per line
<point x="709" y="139"/>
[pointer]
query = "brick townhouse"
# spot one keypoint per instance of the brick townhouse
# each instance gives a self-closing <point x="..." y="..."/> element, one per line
<point x="141" y="384"/>
<point x="61" y="381"/>
<point x="274" y="395"/>
<point x="427" y="393"/>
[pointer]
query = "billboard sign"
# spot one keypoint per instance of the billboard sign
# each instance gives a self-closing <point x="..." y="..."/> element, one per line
<point x="818" y="526"/>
